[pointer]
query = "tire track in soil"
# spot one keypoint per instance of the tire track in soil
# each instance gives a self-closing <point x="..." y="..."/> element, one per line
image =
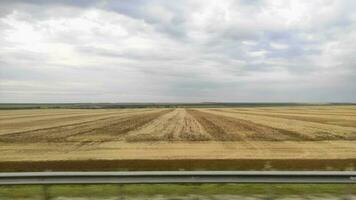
<point x="224" y="128"/>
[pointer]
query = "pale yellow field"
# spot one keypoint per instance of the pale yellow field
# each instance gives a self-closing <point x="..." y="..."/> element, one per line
<point x="310" y="132"/>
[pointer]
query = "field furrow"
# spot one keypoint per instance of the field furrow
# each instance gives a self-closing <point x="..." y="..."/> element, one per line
<point x="117" y="129"/>
<point x="31" y="124"/>
<point x="309" y="130"/>
<point x="337" y="112"/>
<point x="51" y="112"/>
<point x="231" y="129"/>
<point x="98" y="129"/>
<point x="177" y="125"/>
<point x="332" y="120"/>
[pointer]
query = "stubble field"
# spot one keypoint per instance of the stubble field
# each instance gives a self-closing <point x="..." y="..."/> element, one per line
<point x="214" y="136"/>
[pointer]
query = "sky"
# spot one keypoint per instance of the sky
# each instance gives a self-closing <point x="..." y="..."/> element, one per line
<point x="177" y="51"/>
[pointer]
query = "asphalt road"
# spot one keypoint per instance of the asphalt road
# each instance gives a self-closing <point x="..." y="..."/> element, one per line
<point x="178" y="177"/>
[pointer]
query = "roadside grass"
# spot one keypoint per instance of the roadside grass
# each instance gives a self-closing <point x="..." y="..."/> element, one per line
<point x="19" y="192"/>
<point x="146" y="190"/>
<point x="181" y="164"/>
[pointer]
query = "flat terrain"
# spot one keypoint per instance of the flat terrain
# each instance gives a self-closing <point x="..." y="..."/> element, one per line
<point x="182" y="192"/>
<point x="248" y="133"/>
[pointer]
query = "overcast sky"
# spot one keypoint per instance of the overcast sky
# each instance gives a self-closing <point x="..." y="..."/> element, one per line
<point x="178" y="51"/>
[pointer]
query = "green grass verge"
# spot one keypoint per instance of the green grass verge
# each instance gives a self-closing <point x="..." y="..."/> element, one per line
<point x="180" y="164"/>
<point x="13" y="192"/>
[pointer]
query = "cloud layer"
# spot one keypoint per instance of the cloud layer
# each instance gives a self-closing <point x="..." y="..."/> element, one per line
<point x="178" y="51"/>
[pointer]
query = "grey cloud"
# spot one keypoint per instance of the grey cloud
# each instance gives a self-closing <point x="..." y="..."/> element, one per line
<point x="159" y="50"/>
<point x="78" y="3"/>
<point x="143" y="10"/>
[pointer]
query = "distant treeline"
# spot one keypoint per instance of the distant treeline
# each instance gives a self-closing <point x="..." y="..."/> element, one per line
<point x="8" y="106"/>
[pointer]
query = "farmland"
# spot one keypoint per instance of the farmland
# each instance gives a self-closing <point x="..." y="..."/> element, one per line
<point x="303" y="134"/>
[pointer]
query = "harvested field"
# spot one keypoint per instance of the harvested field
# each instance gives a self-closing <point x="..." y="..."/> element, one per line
<point x="174" y="126"/>
<point x="253" y="133"/>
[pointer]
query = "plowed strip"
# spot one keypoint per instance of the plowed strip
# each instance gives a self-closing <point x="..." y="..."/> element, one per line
<point x="340" y="121"/>
<point x="96" y="130"/>
<point x="304" y="111"/>
<point x="230" y="129"/>
<point x="312" y="130"/>
<point x="44" y="113"/>
<point x="217" y="132"/>
<point x="118" y="129"/>
<point x="17" y="126"/>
